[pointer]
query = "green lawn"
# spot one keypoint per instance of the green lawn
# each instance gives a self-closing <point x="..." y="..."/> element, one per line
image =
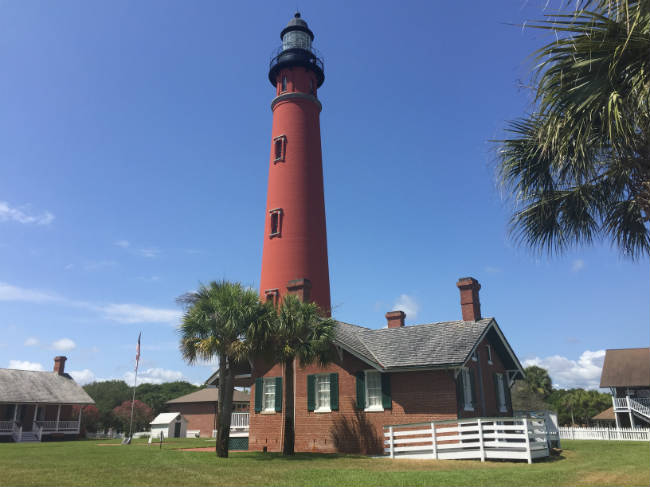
<point x="86" y="463"/>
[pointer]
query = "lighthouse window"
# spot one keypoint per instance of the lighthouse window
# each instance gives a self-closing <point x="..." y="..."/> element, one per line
<point x="279" y="146"/>
<point x="272" y="296"/>
<point x="276" y="223"/>
<point x="284" y="83"/>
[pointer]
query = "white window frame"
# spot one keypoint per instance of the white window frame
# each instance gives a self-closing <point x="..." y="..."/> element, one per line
<point x="489" y="354"/>
<point x="377" y="407"/>
<point x="475" y="356"/>
<point x="318" y="380"/>
<point x="268" y="381"/>
<point x="501" y="400"/>
<point x="467" y="390"/>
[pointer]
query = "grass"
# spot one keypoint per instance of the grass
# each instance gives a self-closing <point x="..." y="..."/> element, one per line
<point x="85" y="463"/>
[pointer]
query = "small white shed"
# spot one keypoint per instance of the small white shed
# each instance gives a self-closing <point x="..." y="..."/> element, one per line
<point x="172" y="425"/>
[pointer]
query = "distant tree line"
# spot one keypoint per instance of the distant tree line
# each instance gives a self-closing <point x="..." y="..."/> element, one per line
<point x="573" y="406"/>
<point x="113" y="403"/>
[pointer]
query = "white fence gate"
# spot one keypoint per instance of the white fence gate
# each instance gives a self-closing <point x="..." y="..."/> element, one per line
<point x="619" y="434"/>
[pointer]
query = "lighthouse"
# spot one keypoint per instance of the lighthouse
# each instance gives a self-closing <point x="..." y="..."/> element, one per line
<point x="294" y="258"/>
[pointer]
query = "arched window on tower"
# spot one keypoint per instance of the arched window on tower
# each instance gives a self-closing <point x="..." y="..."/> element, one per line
<point x="276" y="223"/>
<point x="284" y="83"/>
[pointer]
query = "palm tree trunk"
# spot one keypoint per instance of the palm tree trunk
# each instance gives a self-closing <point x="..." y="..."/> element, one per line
<point x="289" y="443"/>
<point x="224" y="405"/>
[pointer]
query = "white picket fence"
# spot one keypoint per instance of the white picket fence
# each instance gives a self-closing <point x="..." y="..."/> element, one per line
<point x="619" y="434"/>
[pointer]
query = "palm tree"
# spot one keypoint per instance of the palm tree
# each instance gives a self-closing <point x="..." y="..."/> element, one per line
<point x="538" y="380"/>
<point x="227" y="321"/>
<point x="298" y="332"/>
<point x="578" y="167"/>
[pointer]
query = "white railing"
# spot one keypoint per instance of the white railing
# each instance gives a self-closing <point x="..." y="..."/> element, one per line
<point x="480" y="438"/>
<point x="620" y="403"/>
<point x="58" y="426"/>
<point x="618" y="434"/>
<point x="6" y="426"/>
<point x="239" y="421"/>
<point x="640" y="405"/>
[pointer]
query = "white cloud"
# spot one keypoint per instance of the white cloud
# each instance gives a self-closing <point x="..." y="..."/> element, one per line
<point x="15" y="293"/>
<point x="577" y="265"/>
<point x="31" y="342"/>
<point x="64" y="345"/>
<point x="121" y="313"/>
<point x="125" y="244"/>
<point x="565" y="373"/>
<point x="407" y="304"/>
<point x="25" y="365"/>
<point x="148" y="252"/>
<point x="7" y="213"/>
<point x="134" y="313"/>
<point x="154" y="376"/>
<point x="82" y="377"/>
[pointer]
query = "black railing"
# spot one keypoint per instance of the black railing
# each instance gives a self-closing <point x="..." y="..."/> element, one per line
<point x="311" y="56"/>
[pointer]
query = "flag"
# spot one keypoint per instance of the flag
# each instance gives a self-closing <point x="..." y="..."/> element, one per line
<point x="137" y="352"/>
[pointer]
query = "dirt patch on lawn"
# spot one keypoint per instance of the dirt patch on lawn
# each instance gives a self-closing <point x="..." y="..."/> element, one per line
<point x="205" y="448"/>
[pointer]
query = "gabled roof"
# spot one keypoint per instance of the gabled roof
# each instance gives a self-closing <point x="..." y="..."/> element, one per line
<point x="27" y="386"/>
<point x="626" y="367"/>
<point x="606" y="415"/>
<point x="165" y="418"/>
<point x="442" y="344"/>
<point x="210" y="394"/>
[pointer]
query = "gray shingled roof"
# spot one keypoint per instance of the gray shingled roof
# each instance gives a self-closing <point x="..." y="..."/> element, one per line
<point x="429" y="345"/>
<point x="26" y="386"/>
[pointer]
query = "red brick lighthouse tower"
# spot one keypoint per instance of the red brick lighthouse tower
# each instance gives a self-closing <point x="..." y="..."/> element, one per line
<point x="294" y="259"/>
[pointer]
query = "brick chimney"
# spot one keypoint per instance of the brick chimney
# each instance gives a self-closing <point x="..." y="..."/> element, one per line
<point x="300" y="288"/>
<point x="395" y="319"/>
<point x="469" y="300"/>
<point x="59" y="364"/>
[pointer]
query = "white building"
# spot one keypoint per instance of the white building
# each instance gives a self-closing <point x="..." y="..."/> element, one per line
<point x="171" y="425"/>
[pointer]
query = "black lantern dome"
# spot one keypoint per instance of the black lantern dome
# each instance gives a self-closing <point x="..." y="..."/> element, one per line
<point x="296" y="50"/>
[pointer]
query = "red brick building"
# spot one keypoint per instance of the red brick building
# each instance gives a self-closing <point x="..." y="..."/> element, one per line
<point x="200" y="408"/>
<point x="394" y="375"/>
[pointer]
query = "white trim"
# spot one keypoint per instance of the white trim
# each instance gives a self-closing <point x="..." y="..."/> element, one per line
<point x="379" y="407"/>
<point x="363" y="359"/>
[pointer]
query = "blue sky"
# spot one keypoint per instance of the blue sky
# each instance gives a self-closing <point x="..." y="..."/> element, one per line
<point x="134" y="147"/>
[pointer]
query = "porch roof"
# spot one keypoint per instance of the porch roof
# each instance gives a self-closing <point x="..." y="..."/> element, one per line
<point x="626" y="367"/>
<point x="27" y="386"/>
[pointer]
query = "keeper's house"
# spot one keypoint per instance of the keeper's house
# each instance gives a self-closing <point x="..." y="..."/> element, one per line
<point x="394" y="375"/>
<point x="40" y="406"/>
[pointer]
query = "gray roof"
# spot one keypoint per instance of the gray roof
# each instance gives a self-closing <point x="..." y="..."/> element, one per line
<point x="446" y="343"/>
<point x="26" y="386"/>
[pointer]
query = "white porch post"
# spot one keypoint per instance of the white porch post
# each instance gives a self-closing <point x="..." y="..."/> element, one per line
<point x="35" y="413"/>
<point x="16" y="406"/>
<point x="616" y="418"/>
<point x="79" y="419"/>
<point x="58" y="415"/>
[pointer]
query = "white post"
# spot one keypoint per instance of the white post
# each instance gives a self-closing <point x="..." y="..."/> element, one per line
<point x="392" y="445"/>
<point x="530" y="457"/>
<point x="58" y="415"/>
<point x="79" y="419"/>
<point x="480" y="439"/>
<point x="35" y="413"/>
<point x="434" y="440"/>
<point x="16" y="411"/>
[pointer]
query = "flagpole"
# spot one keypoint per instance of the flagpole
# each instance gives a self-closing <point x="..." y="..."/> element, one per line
<point x="135" y="381"/>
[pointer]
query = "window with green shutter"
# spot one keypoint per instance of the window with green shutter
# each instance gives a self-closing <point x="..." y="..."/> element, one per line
<point x="278" y="394"/>
<point x="334" y="391"/>
<point x="259" y="389"/>
<point x="361" y="389"/>
<point x="386" y="401"/>
<point x="311" y="392"/>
